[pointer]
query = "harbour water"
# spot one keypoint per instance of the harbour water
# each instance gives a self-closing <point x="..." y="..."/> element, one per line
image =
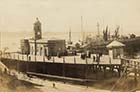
<point x="12" y="39"/>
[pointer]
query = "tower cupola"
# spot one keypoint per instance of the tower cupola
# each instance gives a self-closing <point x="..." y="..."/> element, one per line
<point x="37" y="30"/>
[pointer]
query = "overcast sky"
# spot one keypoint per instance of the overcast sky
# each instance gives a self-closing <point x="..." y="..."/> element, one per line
<point x="59" y="15"/>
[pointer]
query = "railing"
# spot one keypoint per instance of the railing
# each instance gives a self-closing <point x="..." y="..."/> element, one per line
<point x="131" y="63"/>
<point x="90" y="64"/>
<point x="63" y="59"/>
<point x="133" y="66"/>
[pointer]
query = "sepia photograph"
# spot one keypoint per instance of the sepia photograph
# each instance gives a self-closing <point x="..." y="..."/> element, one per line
<point x="69" y="46"/>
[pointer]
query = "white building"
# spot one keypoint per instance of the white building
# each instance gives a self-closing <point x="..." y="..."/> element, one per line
<point x="45" y="47"/>
<point x="42" y="46"/>
<point x="116" y="49"/>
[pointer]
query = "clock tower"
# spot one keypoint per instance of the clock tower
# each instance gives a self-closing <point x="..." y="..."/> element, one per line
<point x="37" y="30"/>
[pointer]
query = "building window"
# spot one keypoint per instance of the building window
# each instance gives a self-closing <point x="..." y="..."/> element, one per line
<point x="40" y="51"/>
<point x="32" y="50"/>
<point x="45" y="52"/>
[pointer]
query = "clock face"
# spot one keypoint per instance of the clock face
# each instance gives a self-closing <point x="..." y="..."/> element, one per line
<point x="38" y="33"/>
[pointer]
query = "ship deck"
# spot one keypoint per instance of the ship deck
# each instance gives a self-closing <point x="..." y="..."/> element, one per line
<point x="104" y="60"/>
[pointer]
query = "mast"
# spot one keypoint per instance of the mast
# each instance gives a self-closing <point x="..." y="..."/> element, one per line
<point x="98" y="29"/>
<point x="70" y="35"/>
<point x="82" y="31"/>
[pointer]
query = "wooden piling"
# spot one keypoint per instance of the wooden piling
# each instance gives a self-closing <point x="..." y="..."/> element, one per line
<point x="22" y="57"/>
<point x="63" y="66"/>
<point x="18" y="57"/>
<point x="74" y="60"/>
<point x="53" y="59"/>
<point x="104" y="70"/>
<point x="86" y="70"/>
<point x="135" y="74"/>
<point x="112" y="70"/>
<point x="43" y="58"/>
<point x="96" y="70"/>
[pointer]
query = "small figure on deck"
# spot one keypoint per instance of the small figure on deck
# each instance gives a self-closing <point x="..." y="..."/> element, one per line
<point x="97" y="59"/>
<point x="29" y="58"/>
<point x="83" y="55"/>
<point x="94" y="58"/>
<point x="48" y="57"/>
<point x="59" y="53"/>
<point x="88" y="54"/>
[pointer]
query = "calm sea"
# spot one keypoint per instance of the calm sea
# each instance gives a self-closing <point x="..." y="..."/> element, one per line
<point x="12" y="39"/>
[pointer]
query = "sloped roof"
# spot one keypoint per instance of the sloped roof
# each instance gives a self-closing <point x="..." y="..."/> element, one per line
<point x="115" y="44"/>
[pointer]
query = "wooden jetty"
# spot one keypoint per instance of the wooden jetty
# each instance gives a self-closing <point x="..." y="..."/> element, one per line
<point x="129" y="66"/>
<point x="68" y="67"/>
<point x="133" y="66"/>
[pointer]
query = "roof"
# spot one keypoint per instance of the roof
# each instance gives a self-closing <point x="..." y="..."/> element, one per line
<point x="85" y="45"/>
<point x="115" y="44"/>
<point x="45" y="40"/>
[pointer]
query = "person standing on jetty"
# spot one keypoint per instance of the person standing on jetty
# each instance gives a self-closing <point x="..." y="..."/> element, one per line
<point x="54" y="85"/>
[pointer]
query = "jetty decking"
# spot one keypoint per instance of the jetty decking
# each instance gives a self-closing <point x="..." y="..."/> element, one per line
<point x="66" y="66"/>
<point x="104" y="60"/>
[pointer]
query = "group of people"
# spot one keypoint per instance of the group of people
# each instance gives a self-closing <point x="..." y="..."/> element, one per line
<point x="96" y="57"/>
<point x="85" y="55"/>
